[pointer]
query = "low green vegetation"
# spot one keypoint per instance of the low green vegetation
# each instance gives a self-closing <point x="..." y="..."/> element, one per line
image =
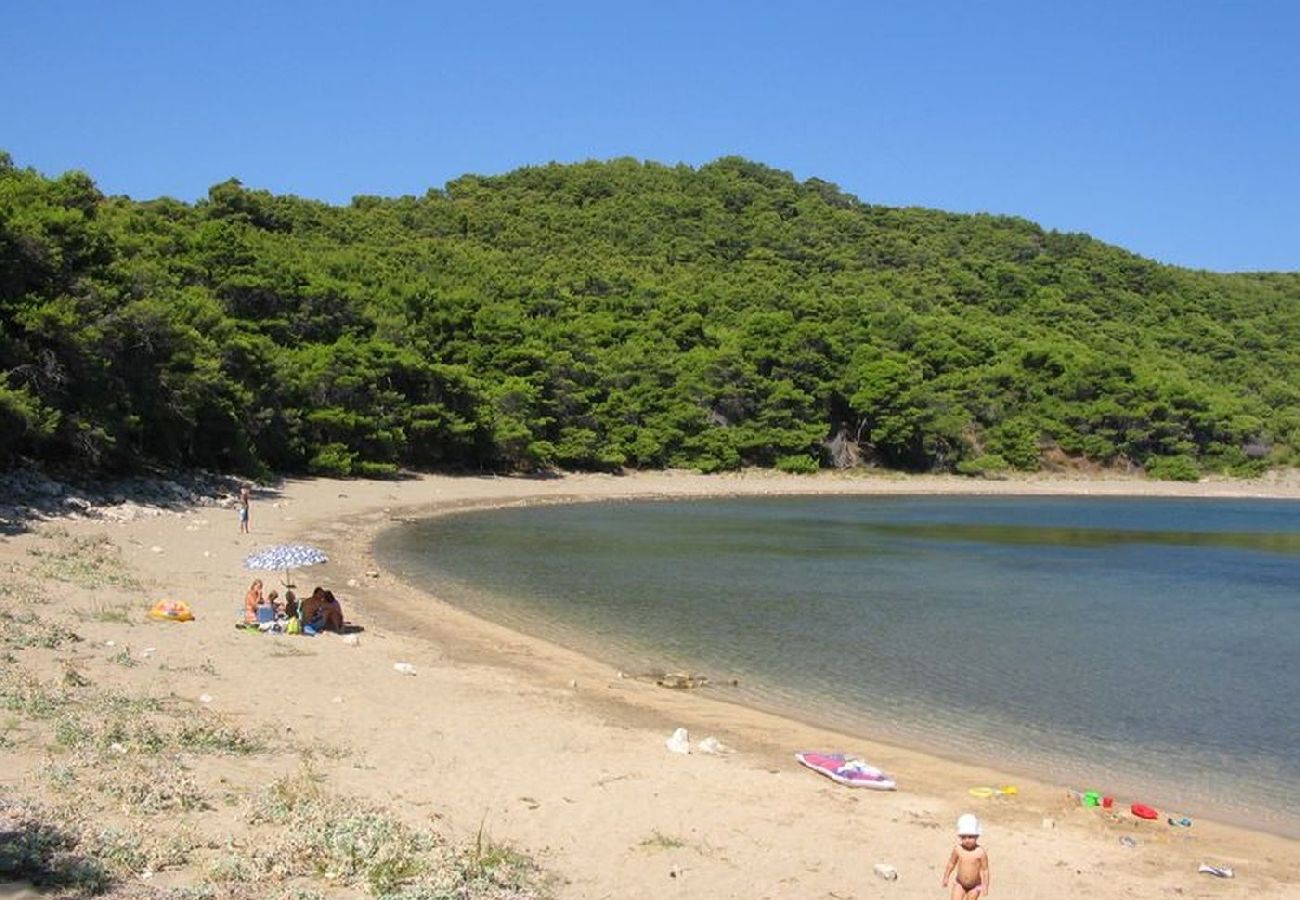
<point x="27" y="629"/>
<point x="126" y="785"/>
<point x="660" y="841"/>
<point x="614" y="314"/>
<point x="117" y="613"/>
<point x="91" y="562"/>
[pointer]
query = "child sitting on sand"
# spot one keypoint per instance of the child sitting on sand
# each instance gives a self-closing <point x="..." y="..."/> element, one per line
<point x="971" y="862"/>
<point x="266" y="608"/>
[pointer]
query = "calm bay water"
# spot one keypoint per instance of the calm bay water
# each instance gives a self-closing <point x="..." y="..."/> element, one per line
<point x="1148" y="648"/>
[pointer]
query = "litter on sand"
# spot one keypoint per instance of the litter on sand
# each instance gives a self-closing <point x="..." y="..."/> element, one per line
<point x="885" y="871"/>
<point x="404" y="667"/>
<point x="679" y="742"/>
<point x="1216" y="871"/>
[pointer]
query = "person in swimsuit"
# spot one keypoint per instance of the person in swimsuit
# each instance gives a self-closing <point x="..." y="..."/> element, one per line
<point x="252" y="599"/>
<point x="322" y="612"/>
<point x="970" y="861"/>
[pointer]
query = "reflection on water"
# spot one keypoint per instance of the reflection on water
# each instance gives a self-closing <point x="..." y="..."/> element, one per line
<point x="1265" y="542"/>
<point x="1144" y="646"/>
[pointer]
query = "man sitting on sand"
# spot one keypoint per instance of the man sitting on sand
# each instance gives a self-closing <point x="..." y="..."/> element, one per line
<point x="321" y="612"/>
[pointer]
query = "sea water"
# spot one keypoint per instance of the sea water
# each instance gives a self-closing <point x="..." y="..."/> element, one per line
<point x="1148" y="648"/>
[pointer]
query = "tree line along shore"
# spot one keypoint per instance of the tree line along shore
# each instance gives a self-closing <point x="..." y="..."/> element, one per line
<point x="617" y="314"/>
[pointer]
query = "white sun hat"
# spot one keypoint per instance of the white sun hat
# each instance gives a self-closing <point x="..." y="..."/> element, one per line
<point x="968" y="825"/>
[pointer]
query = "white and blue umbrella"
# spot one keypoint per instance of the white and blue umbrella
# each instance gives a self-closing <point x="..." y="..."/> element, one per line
<point x="285" y="557"/>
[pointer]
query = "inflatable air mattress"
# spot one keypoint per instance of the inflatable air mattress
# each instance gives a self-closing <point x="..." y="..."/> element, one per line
<point x="847" y="770"/>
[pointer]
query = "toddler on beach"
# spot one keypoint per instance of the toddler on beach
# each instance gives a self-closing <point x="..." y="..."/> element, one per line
<point x="971" y="862"/>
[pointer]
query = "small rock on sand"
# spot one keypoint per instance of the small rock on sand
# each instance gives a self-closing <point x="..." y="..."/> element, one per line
<point x="885" y="871"/>
<point x="680" y="741"/>
<point x="712" y="745"/>
<point x="404" y="667"/>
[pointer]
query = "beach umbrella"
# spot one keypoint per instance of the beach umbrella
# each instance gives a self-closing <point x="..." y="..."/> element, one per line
<point x="285" y="557"/>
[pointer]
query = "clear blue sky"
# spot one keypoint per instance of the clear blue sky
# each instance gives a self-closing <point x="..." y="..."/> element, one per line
<point x="1170" y="127"/>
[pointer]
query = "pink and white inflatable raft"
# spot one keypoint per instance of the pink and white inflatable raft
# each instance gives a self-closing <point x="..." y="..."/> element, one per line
<point x="847" y="770"/>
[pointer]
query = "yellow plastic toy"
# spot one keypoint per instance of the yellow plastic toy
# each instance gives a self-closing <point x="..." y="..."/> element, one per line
<point x="171" y="611"/>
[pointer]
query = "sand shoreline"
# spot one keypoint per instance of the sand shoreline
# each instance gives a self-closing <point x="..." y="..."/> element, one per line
<point x="1245" y="819"/>
<point x="720" y="695"/>
<point x="590" y="787"/>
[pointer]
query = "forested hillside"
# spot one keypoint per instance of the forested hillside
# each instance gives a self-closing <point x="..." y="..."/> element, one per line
<point x="617" y="314"/>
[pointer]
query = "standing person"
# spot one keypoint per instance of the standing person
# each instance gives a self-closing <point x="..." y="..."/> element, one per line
<point x="244" y="496"/>
<point x="971" y="862"/>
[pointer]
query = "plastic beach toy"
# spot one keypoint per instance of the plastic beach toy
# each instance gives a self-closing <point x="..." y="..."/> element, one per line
<point x="1091" y="798"/>
<point x="171" y="611"/>
<point x="1142" y="811"/>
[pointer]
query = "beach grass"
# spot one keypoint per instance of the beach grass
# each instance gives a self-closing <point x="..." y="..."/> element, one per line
<point x="88" y="561"/>
<point x="26" y="629"/>
<point x="660" y="841"/>
<point x="114" y="613"/>
<point x="123" y="794"/>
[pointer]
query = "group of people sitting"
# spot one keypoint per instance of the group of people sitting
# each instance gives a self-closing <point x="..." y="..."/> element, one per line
<point x="268" y="612"/>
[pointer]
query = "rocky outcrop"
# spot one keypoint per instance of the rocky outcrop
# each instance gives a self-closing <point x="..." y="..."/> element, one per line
<point x="28" y="495"/>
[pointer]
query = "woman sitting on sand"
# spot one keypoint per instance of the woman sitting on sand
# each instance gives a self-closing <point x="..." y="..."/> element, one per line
<point x="251" y="601"/>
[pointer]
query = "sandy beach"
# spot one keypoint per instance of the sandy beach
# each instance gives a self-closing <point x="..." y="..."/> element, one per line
<point x="502" y="734"/>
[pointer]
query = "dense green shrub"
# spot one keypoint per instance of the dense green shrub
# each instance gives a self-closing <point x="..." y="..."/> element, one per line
<point x="1173" y="468"/>
<point x="613" y="314"/>
<point x="990" y="465"/>
<point x="797" y="464"/>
